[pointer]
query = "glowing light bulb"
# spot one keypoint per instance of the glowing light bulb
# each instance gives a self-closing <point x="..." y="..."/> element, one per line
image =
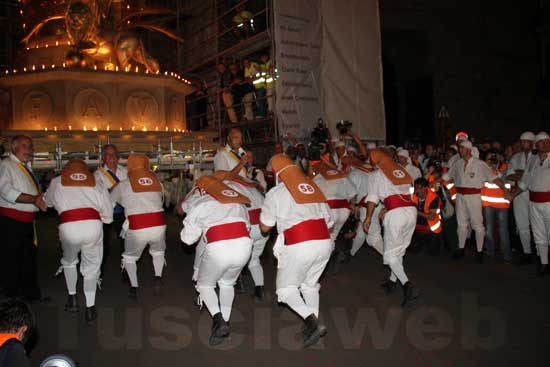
<point x="57" y="43"/>
<point x="95" y="67"/>
<point x="116" y="68"/>
<point x="53" y="66"/>
<point x="166" y="128"/>
<point x="144" y="129"/>
<point x="33" y="68"/>
<point x="55" y="128"/>
<point x="70" y="127"/>
<point x="156" y="128"/>
<point x="108" y="127"/>
<point x="63" y="64"/>
<point x="133" y="128"/>
<point x="166" y="73"/>
<point x="95" y="128"/>
<point x="24" y="70"/>
<point x="45" y="129"/>
<point x="137" y="69"/>
<point x="120" y="128"/>
<point x="85" y="128"/>
<point x="43" y="66"/>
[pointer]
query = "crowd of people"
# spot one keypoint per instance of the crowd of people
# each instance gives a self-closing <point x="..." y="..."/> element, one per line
<point x="320" y="203"/>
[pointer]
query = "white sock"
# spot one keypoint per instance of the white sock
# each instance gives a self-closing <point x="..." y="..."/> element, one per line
<point x="393" y="278"/>
<point x="131" y="269"/>
<point x="257" y="272"/>
<point x="158" y="264"/>
<point x="210" y="299"/>
<point x="525" y="238"/>
<point x="397" y="268"/>
<point x="90" y="285"/>
<point x="227" y="295"/>
<point x="296" y="303"/>
<point x="311" y="298"/>
<point x="71" y="277"/>
<point x="543" y="253"/>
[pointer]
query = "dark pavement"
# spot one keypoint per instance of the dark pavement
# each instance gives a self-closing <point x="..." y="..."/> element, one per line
<point x="469" y="315"/>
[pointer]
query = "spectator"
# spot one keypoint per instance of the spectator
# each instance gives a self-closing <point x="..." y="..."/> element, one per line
<point x="16" y="323"/>
<point x="251" y="69"/>
<point x="242" y="91"/>
<point x="405" y="161"/>
<point x="224" y="79"/>
<point x="264" y="86"/>
<point x="243" y="23"/>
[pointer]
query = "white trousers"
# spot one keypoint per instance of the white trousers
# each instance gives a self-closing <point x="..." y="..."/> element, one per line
<point x="521" y="215"/>
<point x="469" y="213"/>
<point x="258" y="246"/>
<point x="84" y="237"/>
<point x="374" y="237"/>
<point x="221" y="263"/>
<point x="539" y="214"/>
<point x="135" y="242"/>
<point x="399" y="225"/>
<point x="299" y="268"/>
<point x="340" y="216"/>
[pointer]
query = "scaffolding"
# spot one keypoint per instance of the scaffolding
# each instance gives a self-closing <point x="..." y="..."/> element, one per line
<point x="211" y="37"/>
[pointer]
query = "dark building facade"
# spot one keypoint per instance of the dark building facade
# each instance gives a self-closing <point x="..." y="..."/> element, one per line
<point x="485" y="61"/>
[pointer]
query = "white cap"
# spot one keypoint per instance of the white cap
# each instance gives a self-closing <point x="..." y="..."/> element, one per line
<point x="527" y="136"/>
<point x="340" y="143"/>
<point x="352" y="149"/>
<point x="371" y="145"/>
<point x="475" y="152"/>
<point x="467" y="144"/>
<point x="403" y="153"/>
<point x="543" y="135"/>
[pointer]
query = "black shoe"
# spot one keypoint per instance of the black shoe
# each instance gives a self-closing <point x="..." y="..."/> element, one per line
<point x="72" y="304"/>
<point x="459" y="253"/>
<point x="313" y="331"/>
<point x="410" y="293"/>
<point x="91" y="315"/>
<point x="259" y="295"/>
<point x="480" y="257"/>
<point x="135" y="294"/>
<point x="388" y="286"/>
<point x="542" y="271"/>
<point x="220" y="329"/>
<point x="239" y="285"/>
<point x="157" y="286"/>
<point x="525" y="259"/>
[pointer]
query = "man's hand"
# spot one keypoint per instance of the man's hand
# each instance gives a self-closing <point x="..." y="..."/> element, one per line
<point x="40" y="203"/>
<point x="382" y="214"/>
<point x="366" y="225"/>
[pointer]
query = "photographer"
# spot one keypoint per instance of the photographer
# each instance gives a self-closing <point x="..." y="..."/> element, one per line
<point x="340" y="150"/>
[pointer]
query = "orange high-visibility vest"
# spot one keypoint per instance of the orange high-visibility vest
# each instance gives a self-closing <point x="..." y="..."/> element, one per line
<point x="493" y="196"/>
<point x="435" y="225"/>
<point x="450" y="186"/>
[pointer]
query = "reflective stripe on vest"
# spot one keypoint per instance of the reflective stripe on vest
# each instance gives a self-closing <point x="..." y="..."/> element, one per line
<point x="493" y="196"/>
<point x="435" y="225"/>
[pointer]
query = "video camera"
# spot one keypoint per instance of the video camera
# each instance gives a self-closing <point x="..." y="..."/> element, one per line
<point x="343" y="126"/>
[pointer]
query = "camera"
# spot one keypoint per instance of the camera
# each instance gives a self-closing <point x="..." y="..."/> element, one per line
<point x="343" y="126"/>
<point x="320" y="133"/>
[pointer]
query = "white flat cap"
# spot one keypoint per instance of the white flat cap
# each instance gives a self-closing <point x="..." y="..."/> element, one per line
<point x="527" y="136"/>
<point x="543" y="135"/>
<point x="403" y="153"/>
<point x="466" y="144"/>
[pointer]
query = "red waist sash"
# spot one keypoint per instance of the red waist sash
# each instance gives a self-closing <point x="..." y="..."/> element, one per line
<point x="146" y="220"/>
<point x="539" y="197"/>
<point x="398" y="201"/>
<point x="227" y="231"/>
<point x="254" y="216"/>
<point x="468" y="190"/>
<point x="75" y="215"/>
<point x="18" y="215"/>
<point x="338" y="204"/>
<point x="308" y="230"/>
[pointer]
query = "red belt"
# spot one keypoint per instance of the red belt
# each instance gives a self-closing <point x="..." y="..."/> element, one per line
<point x="75" y="215"/>
<point x="146" y="220"/>
<point x="308" y="230"/>
<point x="338" y="204"/>
<point x="227" y="231"/>
<point x="254" y="216"/>
<point x="468" y="190"/>
<point x="18" y="215"/>
<point x="398" y="201"/>
<point x="539" y="197"/>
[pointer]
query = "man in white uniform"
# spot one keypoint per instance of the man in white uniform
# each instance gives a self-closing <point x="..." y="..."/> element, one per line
<point x="469" y="174"/>
<point x="298" y="208"/>
<point x="359" y="175"/>
<point x="392" y="185"/>
<point x="220" y="217"/>
<point x="83" y="206"/>
<point x="108" y="175"/>
<point x="520" y="205"/>
<point x="405" y="161"/>
<point x="20" y="199"/>
<point x="250" y="190"/>
<point x="141" y="196"/>
<point x="536" y="179"/>
<point x="232" y="157"/>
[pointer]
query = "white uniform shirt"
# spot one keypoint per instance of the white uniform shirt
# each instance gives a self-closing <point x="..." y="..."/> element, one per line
<point x="107" y="182"/>
<point x="537" y="175"/>
<point x="455" y="158"/>
<point x="413" y="171"/>
<point x="474" y="175"/>
<point x="361" y="181"/>
<point x="225" y="160"/>
<point x="207" y="212"/>
<point x="380" y="187"/>
<point x="518" y="162"/>
<point x="14" y="182"/>
<point x="64" y="198"/>
<point x="281" y="209"/>
<point x="341" y="188"/>
<point x="136" y="202"/>
<point x="256" y="197"/>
